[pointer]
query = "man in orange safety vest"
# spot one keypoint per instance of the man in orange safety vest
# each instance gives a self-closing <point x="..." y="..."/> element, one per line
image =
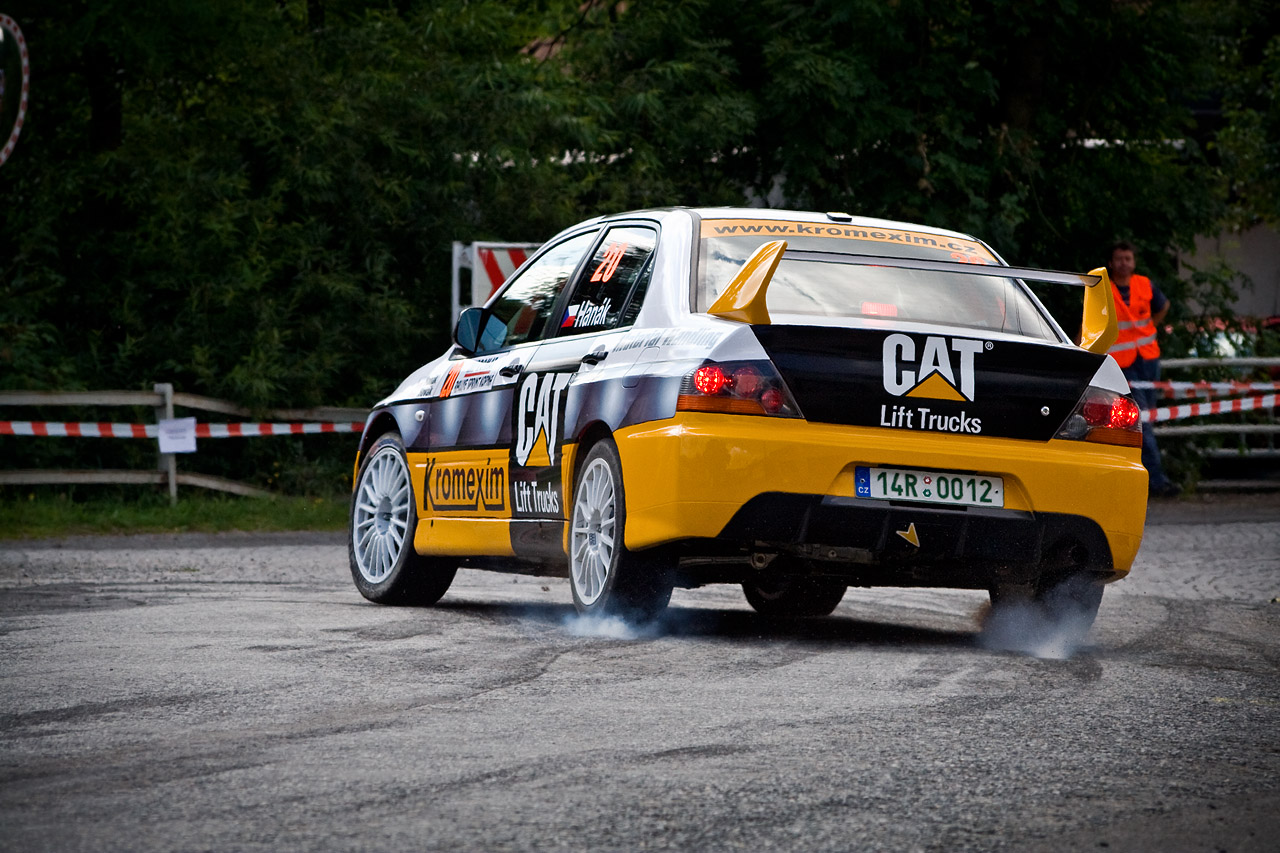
<point x="1140" y="306"/>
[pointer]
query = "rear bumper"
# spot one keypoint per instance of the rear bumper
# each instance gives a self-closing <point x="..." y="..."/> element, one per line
<point x="744" y="480"/>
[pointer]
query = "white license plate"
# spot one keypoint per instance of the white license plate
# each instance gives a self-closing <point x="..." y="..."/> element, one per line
<point x="935" y="487"/>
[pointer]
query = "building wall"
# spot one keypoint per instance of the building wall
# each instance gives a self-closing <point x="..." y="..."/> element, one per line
<point x="1256" y="254"/>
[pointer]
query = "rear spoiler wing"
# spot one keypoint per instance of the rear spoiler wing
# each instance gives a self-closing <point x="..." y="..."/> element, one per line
<point x="744" y="299"/>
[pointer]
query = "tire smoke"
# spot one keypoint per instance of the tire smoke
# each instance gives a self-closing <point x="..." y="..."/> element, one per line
<point x="609" y="627"/>
<point x="1053" y="626"/>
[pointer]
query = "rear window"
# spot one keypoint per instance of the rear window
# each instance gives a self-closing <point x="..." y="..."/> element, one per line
<point x="818" y="288"/>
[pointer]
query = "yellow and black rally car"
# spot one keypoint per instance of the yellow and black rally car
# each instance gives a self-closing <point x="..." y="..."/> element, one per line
<point x="794" y="402"/>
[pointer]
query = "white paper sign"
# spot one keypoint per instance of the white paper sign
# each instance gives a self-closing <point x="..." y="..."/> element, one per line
<point x="178" y="435"/>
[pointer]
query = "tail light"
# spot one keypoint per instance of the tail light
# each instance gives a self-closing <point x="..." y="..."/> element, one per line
<point x="737" y="387"/>
<point x="1105" y="417"/>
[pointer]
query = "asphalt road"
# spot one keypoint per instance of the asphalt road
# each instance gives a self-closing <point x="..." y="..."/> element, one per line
<point x="234" y="692"/>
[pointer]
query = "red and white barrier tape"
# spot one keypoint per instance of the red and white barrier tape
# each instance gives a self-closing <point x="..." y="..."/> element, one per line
<point x="90" y="429"/>
<point x="1217" y="407"/>
<point x="22" y="86"/>
<point x="107" y="430"/>
<point x="1205" y="389"/>
<point x="244" y="430"/>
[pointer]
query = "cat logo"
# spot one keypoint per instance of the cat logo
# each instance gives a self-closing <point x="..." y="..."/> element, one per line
<point x="933" y="376"/>
<point x="539" y="414"/>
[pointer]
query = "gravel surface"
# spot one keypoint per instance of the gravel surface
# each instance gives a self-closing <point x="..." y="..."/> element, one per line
<point x="233" y="692"/>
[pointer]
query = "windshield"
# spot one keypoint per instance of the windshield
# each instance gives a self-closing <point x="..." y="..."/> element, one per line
<point x="827" y="288"/>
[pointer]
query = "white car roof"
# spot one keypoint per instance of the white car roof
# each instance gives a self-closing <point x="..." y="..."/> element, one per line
<point x="779" y="215"/>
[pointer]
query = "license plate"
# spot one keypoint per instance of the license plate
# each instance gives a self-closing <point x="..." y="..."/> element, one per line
<point x="935" y="487"/>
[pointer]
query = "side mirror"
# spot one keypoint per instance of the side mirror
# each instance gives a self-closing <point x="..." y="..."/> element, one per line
<point x="479" y="331"/>
<point x="1099" y="328"/>
<point x="467" y="333"/>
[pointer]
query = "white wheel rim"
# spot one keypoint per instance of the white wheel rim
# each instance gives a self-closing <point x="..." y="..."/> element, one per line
<point x="380" y="520"/>
<point x="595" y="515"/>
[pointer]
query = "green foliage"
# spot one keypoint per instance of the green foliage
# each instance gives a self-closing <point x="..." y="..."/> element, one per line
<point x="255" y="201"/>
<point x="273" y="226"/>
<point x="1049" y="129"/>
<point x="45" y="511"/>
<point x="1250" y="143"/>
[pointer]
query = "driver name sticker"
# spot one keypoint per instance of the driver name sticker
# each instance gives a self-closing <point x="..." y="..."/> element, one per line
<point x="586" y="314"/>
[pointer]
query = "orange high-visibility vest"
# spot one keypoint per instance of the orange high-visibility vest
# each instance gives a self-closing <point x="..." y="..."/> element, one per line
<point x="1137" y="332"/>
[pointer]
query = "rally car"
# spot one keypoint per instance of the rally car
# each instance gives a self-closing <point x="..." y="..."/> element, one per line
<point x="794" y="402"/>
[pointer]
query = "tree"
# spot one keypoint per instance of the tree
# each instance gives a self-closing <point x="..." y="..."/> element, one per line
<point x="255" y="201"/>
<point x="1048" y="128"/>
<point x="263" y="211"/>
<point x="1249" y="143"/>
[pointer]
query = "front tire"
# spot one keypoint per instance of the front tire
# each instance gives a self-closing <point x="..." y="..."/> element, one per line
<point x="606" y="577"/>
<point x="383" y="519"/>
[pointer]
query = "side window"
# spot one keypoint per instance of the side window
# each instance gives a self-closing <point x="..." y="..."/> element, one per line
<point x="612" y="286"/>
<point x="526" y="304"/>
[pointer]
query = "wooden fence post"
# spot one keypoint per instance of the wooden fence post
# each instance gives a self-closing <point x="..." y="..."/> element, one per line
<point x="167" y="462"/>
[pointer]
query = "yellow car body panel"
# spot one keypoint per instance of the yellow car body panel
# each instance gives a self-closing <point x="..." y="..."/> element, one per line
<point x="743" y="299"/>
<point x="677" y="496"/>
<point x="462" y="503"/>
<point x="1099" y="328"/>
<point x="463" y="537"/>
<point x="687" y="476"/>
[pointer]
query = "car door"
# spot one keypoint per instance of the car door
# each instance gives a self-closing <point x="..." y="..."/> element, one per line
<point x="461" y="471"/>
<point x="571" y="367"/>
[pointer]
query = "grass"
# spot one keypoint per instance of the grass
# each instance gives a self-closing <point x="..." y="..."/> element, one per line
<point x="42" y="514"/>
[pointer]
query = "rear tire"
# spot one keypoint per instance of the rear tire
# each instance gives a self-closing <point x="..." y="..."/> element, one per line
<point x="1072" y="600"/>
<point x="383" y="518"/>
<point x="606" y="577"/>
<point x="789" y="597"/>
